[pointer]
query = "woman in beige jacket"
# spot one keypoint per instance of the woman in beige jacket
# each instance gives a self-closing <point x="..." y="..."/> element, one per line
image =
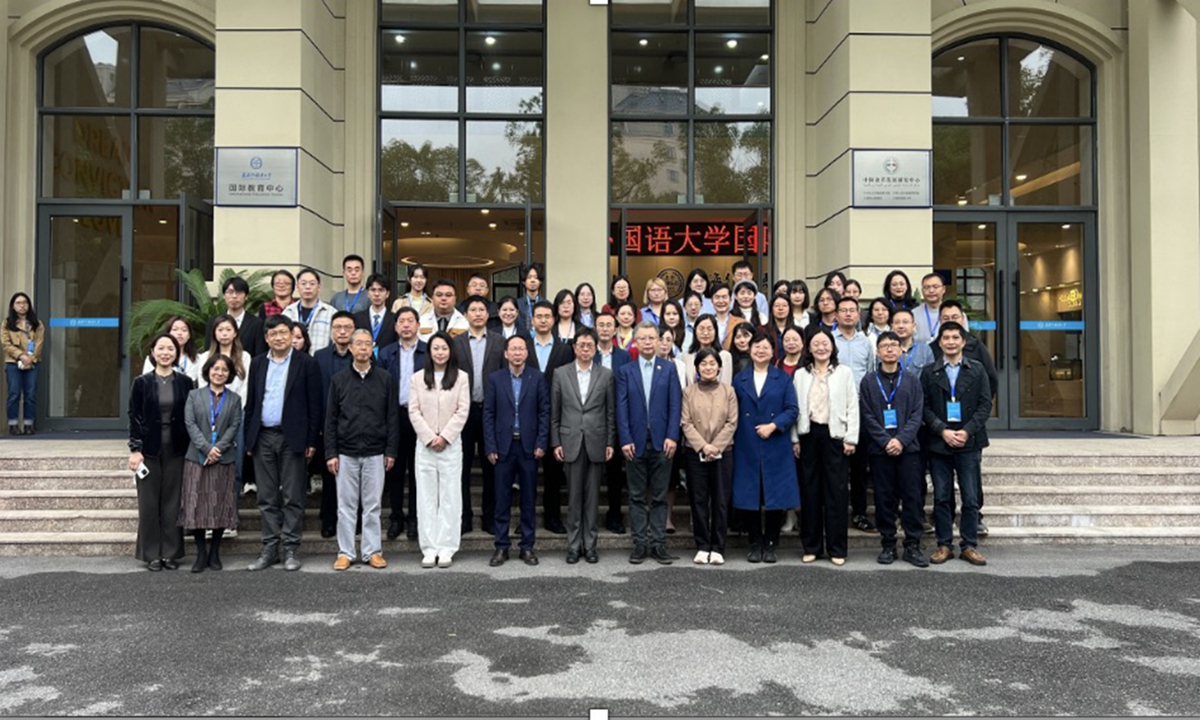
<point x="709" y="419"/>
<point x="439" y="402"/>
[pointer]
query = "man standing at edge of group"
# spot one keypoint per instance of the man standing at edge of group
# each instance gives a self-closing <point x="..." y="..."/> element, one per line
<point x="583" y="435"/>
<point x="250" y="328"/>
<point x="649" y="406"/>
<point x="331" y="361"/>
<point x="402" y="359"/>
<point x="362" y="437"/>
<point x="378" y="317"/>
<point x="516" y="433"/>
<point x="927" y="315"/>
<point x="311" y="312"/>
<point x="612" y="358"/>
<point x="892" y="410"/>
<point x="958" y="401"/>
<point x="480" y="353"/>
<point x="354" y="298"/>
<point x="283" y="419"/>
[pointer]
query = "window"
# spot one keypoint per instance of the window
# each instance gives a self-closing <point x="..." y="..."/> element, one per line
<point x="462" y="101"/>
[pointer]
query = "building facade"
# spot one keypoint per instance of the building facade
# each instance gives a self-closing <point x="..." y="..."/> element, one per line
<point x="644" y="137"/>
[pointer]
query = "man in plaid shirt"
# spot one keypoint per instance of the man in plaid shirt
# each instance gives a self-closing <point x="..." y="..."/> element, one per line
<point x="310" y="311"/>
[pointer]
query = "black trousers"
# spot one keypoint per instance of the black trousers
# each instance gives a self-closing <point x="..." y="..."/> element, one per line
<point x="898" y="482"/>
<point x="553" y="475"/>
<point x="860" y="473"/>
<point x="824" y="526"/>
<point x="328" y="484"/>
<point x="472" y="439"/>
<point x="614" y="479"/>
<point x="403" y="473"/>
<point x="709" y="488"/>
<point x="753" y="522"/>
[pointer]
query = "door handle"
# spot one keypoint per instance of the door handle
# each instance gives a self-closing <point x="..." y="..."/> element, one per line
<point x="1016" y="356"/>
<point x="999" y="314"/>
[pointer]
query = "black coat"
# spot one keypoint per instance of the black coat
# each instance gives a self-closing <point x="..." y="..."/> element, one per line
<point x="561" y="354"/>
<point x="493" y="356"/>
<point x="389" y="359"/>
<point x="387" y="328"/>
<point x="302" y="402"/>
<point x="973" y="349"/>
<point x="250" y="332"/>
<point x="362" y="415"/>
<point x="975" y="394"/>
<point x="909" y="404"/>
<point x="145" y="420"/>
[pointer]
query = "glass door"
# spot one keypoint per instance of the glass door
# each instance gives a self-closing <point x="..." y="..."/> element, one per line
<point x="83" y="254"/>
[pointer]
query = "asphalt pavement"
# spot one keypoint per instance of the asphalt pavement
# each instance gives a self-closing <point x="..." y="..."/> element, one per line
<point x="1042" y="630"/>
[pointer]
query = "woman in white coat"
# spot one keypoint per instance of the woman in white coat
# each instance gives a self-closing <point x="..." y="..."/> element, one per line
<point x="439" y="402"/>
<point x="822" y="438"/>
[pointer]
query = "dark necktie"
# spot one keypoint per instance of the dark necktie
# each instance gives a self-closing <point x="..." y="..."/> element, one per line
<point x="442" y="323"/>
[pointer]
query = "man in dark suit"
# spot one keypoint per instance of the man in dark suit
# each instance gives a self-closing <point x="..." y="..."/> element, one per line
<point x="283" y="421"/>
<point x="403" y="358"/>
<point x="378" y="318"/>
<point x="547" y="354"/>
<point x="583" y="435"/>
<point x="481" y="353"/>
<point x="516" y="433"/>
<point x="250" y="327"/>
<point x="649" y="405"/>
<point x="613" y="358"/>
<point x="477" y="286"/>
<point x="331" y="360"/>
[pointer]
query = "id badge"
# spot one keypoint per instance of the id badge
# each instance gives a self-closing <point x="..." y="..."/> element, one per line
<point x="889" y="420"/>
<point x="953" y="411"/>
<point x="30" y="348"/>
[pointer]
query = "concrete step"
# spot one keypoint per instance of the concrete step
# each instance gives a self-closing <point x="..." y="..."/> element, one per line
<point x="1153" y="475"/>
<point x="993" y="458"/>
<point x="998" y="516"/>
<point x="72" y="499"/>
<point x="1159" y="495"/>
<point x="107" y="461"/>
<point x="65" y="479"/>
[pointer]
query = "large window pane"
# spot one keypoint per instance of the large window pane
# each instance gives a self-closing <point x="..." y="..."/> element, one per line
<point x="649" y="73"/>
<point x="175" y="71"/>
<point x="967" y="165"/>
<point x="419" y="11"/>
<point x="419" y="160"/>
<point x="85" y="156"/>
<point x="733" y="13"/>
<point x="504" y="161"/>
<point x="419" y="70"/>
<point x="90" y="71"/>
<point x="649" y="162"/>
<point x="528" y="12"/>
<point x="733" y="162"/>
<point x="1044" y="82"/>
<point x="175" y="155"/>
<point x="966" y="81"/>
<point x="1051" y="165"/>
<point x="733" y="73"/>
<point x="504" y="72"/>
<point x="649" y="12"/>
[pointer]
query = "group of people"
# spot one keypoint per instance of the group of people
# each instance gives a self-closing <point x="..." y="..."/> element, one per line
<point x="774" y="409"/>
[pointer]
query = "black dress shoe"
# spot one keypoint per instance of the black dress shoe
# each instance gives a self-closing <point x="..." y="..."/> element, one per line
<point x="154" y="565"/>
<point x="914" y="556"/>
<point x="887" y="556"/>
<point x="769" y="553"/>
<point x="639" y="555"/>
<point x="201" y="563"/>
<point x="555" y="526"/>
<point x="659" y="553"/>
<point x="592" y="557"/>
<point x="572" y="557"/>
<point x="615" y="527"/>
<point x="170" y="564"/>
<point x="328" y="531"/>
<point x="499" y="557"/>
<point x="529" y="557"/>
<point x="862" y="523"/>
<point x="411" y="530"/>
<point x="395" y="527"/>
<point x="756" y="554"/>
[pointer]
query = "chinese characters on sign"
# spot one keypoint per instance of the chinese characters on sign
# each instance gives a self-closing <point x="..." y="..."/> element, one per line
<point x="689" y="239"/>
<point x="892" y="179"/>
<point x="257" y="177"/>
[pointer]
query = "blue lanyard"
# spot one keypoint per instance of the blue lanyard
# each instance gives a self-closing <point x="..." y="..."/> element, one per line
<point x="375" y="329"/>
<point x="888" y="398"/>
<point x="350" y="305"/>
<point x="311" y="314"/>
<point x="929" y="321"/>
<point x="215" y="407"/>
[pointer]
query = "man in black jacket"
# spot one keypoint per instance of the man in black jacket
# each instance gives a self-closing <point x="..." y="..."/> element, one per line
<point x="331" y="360"/>
<point x="892" y="408"/>
<point x="362" y="438"/>
<point x="250" y="327"/>
<point x="283" y="420"/>
<point x="402" y="359"/>
<point x="378" y="317"/>
<point x="958" y="401"/>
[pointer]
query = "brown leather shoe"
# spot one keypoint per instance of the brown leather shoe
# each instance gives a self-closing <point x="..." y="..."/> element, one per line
<point x="941" y="555"/>
<point x="972" y="556"/>
<point x="342" y="563"/>
<point x="376" y="561"/>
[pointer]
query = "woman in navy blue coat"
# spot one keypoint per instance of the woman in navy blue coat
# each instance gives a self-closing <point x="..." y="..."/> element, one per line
<point x="764" y="469"/>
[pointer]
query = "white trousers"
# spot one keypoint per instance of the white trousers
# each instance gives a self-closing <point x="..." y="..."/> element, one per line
<point x="439" y="499"/>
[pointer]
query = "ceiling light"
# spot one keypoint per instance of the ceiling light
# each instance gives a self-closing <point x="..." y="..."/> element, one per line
<point x="1066" y="227"/>
<point x="731" y="44"/>
<point x="400" y="39"/>
<point x="981" y="226"/>
<point x="718" y="70"/>
<point x="1047" y="288"/>
<point x="490" y="40"/>
<point x="413" y="65"/>
<point x="765" y="57"/>
<point x="426" y="232"/>
<point x="962" y="57"/>
<point x="962" y="201"/>
<point x="1021" y="178"/>
<point x="495" y="66"/>
<point x="643" y="42"/>
<point x="485" y="211"/>
<point x="162" y="222"/>
<point x="404" y="224"/>
<point x="492" y="225"/>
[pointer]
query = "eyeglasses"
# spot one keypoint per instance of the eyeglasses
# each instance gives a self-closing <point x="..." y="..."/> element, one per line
<point x="889" y="346"/>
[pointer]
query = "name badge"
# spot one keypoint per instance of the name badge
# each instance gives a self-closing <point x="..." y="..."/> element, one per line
<point x="953" y="412"/>
<point x="889" y="419"/>
<point x="29" y="348"/>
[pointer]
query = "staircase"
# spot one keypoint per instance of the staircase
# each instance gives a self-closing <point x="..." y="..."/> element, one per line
<point x="77" y="498"/>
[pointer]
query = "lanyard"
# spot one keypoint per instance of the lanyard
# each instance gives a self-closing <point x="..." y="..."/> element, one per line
<point x="376" y="327"/>
<point x="886" y="397"/>
<point x="954" y="384"/>
<point x="933" y="328"/>
<point x="311" y="314"/>
<point x="215" y="407"/>
<point x="350" y="305"/>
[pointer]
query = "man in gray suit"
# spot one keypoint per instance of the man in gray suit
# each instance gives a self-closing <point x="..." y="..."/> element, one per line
<point x="583" y="435"/>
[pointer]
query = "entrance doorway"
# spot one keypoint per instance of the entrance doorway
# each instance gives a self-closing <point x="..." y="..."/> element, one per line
<point x="1028" y="284"/>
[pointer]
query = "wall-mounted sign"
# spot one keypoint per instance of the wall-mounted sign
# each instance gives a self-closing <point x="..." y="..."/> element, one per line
<point x="1070" y="300"/>
<point x="892" y="178"/>
<point x="689" y="239"/>
<point x="257" y="177"/>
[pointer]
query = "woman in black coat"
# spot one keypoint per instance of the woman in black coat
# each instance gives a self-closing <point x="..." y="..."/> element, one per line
<point x="158" y="438"/>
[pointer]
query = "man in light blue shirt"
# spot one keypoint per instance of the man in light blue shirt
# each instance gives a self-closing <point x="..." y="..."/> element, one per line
<point x="856" y="351"/>
<point x="402" y="359"/>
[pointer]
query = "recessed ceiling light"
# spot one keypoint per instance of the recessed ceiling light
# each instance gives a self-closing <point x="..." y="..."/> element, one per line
<point x="492" y="225"/>
<point x="1066" y="227"/>
<point x="962" y="57"/>
<point x="718" y="70"/>
<point x="731" y="44"/>
<point x="1021" y="178"/>
<point x="643" y="42"/>
<point x="765" y="57"/>
<point x="162" y="222"/>
<point x="962" y="201"/>
<point x="400" y="39"/>
<point x="426" y="232"/>
<point x="490" y="40"/>
<point x="495" y="66"/>
<point x="413" y="65"/>
<point x="1048" y="288"/>
<point x="981" y="226"/>
<point x="404" y="224"/>
<point x="485" y="211"/>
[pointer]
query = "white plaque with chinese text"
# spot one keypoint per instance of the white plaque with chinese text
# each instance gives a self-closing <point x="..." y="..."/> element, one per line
<point x="257" y="177"/>
<point x="892" y="178"/>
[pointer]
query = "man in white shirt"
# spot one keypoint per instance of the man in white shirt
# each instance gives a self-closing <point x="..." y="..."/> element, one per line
<point x="445" y="316"/>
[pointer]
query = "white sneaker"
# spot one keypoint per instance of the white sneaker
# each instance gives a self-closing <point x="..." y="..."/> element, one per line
<point x="716" y="558"/>
<point x="443" y="561"/>
<point x="701" y="558"/>
<point x="249" y="488"/>
<point x="231" y="533"/>
<point x="790" y="524"/>
<point x="318" y="483"/>
<point x="429" y="561"/>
